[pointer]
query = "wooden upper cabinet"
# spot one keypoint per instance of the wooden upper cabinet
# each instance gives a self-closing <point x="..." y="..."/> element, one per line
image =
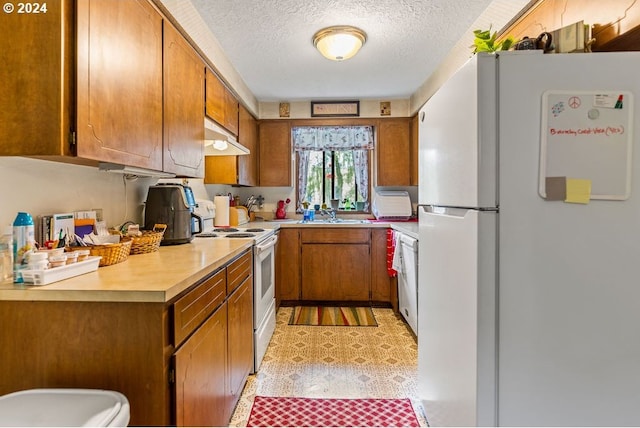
<point x="215" y="100"/>
<point x="248" y="137"/>
<point x="221" y="105"/>
<point x="275" y="153"/>
<point x="119" y="82"/>
<point x="36" y="81"/>
<point x="393" y="152"/>
<point x="413" y="150"/>
<point x="231" y="112"/>
<point x="237" y="170"/>
<point x="183" y="106"/>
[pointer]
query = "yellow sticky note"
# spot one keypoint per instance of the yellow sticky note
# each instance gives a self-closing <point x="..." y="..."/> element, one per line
<point x="578" y="191"/>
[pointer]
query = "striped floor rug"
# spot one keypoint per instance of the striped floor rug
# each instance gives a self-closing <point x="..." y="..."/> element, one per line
<point x="333" y="316"/>
<point x="326" y="412"/>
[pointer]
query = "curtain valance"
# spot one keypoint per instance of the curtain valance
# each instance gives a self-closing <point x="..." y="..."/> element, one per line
<point x="326" y="138"/>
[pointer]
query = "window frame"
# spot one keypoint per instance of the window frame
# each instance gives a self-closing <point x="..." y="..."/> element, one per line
<point x="373" y="122"/>
<point x="367" y="210"/>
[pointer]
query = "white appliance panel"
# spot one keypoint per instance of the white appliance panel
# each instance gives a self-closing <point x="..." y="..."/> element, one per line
<point x="262" y="335"/>
<point x="569" y="304"/>
<point x="557" y="324"/>
<point x="263" y="277"/>
<point x="456" y="300"/>
<point x="408" y="281"/>
<point x="457" y="140"/>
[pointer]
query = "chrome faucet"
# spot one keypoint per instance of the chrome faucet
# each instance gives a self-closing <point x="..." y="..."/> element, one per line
<point x="330" y="212"/>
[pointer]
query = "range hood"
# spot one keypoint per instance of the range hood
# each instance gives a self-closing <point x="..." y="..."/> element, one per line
<point x="219" y="142"/>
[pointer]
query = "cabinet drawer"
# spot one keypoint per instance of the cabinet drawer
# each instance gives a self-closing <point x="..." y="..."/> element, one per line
<point x="239" y="270"/>
<point x="192" y="309"/>
<point x="336" y="236"/>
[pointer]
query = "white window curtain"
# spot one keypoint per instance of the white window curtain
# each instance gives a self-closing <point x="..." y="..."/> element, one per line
<point x="358" y="139"/>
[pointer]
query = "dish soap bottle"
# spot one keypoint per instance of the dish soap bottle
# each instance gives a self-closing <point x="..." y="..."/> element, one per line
<point x="23" y="242"/>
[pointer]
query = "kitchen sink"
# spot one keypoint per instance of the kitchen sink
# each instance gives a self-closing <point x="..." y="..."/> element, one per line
<point x="336" y="221"/>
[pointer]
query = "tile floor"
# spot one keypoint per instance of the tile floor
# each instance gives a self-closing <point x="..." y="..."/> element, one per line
<point x="336" y="362"/>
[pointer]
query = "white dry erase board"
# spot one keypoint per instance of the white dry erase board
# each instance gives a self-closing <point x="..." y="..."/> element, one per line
<point x="588" y="135"/>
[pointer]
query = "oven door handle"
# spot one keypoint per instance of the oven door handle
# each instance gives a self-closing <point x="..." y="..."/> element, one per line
<point x="266" y="244"/>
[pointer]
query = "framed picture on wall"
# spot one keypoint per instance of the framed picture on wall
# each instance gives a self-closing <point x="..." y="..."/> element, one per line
<point x="335" y="108"/>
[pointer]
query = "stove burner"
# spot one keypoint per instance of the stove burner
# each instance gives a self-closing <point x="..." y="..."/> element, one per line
<point x="255" y="229"/>
<point x="206" y="235"/>
<point x="226" y="229"/>
<point x="239" y="235"/>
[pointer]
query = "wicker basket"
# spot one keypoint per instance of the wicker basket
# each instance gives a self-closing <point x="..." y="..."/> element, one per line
<point x="149" y="241"/>
<point x="112" y="253"/>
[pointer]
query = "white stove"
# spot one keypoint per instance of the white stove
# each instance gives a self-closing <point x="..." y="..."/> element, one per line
<point x="264" y="301"/>
<point x="257" y="234"/>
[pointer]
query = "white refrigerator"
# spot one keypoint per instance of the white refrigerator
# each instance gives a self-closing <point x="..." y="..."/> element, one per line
<point x="529" y="306"/>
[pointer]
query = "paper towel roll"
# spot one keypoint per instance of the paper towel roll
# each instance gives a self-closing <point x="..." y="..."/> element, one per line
<point x="222" y="211"/>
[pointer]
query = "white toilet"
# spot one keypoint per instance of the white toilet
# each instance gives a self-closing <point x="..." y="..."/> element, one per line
<point x="64" y="407"/>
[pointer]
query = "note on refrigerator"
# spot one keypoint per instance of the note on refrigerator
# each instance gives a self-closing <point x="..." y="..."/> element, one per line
<point x="578" y="191"/>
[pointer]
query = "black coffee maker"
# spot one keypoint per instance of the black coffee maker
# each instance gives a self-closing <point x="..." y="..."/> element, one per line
<point x="173" y="205"/>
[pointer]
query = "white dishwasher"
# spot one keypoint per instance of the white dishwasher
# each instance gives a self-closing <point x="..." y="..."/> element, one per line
<point x="408" y="280"/>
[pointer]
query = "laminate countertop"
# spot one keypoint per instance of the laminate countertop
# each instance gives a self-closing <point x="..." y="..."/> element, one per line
<point x="162" y="275"/>
<point x="153" y="277"/>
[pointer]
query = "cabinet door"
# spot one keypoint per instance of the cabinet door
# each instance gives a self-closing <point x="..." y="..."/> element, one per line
<point x="240" y="337"/>
<point x="183" y="106"/>
<point x="119" y="75"/>
<point x="36" y="81"/>
<point x="288" y="266"/>
<point x="275" y="153"/>
<point x="335" y="272"/>
<point x="221" y="169"/>
<point x="215" y="98"/>
<point x="248" y="137"/>
<point x="380" y="281"/>
<point x="202" y="397"/>
<point x="230" y="112"/>
<point x="393" y="152"/>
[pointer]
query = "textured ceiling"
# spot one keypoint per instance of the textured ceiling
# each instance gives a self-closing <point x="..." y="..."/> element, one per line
<point x="268" y="42"/>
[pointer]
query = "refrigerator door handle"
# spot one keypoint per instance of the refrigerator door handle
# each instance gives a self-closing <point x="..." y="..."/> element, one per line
<point x="446" y="211"/>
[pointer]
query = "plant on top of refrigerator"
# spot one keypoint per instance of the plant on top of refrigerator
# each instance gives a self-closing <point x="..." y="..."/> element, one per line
<point x="485" y="41"/>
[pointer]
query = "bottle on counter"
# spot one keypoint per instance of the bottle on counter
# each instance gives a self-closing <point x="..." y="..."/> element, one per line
<point x="23" y="242"/>
<point x="6" y="255"/>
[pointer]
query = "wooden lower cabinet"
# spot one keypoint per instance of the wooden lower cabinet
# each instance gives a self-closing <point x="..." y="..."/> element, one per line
<point x="380" y="280"/>
<point x="240" y="339"/>
<point x="119" y="346"/>
<point x="335" y="272"/>
<point x="201" y="390"/>
<point x="178" y="363"/>
<point x="333" y="265"/>
<point x="288" y="265"/>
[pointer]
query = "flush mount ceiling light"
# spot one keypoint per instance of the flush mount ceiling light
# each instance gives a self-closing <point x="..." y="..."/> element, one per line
<point x="339" y="42"/>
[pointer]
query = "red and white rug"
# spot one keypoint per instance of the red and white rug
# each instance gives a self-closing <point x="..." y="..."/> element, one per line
<point x="331" y="412"/>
